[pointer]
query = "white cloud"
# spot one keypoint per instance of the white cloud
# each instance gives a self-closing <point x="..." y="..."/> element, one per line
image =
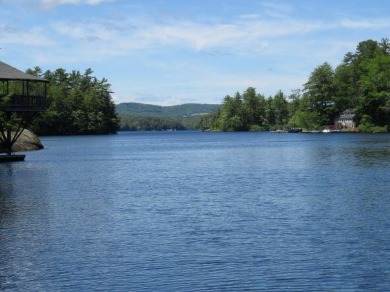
<point x="200" y="36"/>
<point x="53" y="3"/>
<point x="280" y="7"/>
<point x="84" y="31"/>
<point x="149" y="98"/>
<point x="277" y="10"/>
<point x="61" y="2"/>
<point x="93" y="39"/>
<point x="376" y="23"/>
<point x="247" y="36"/>
<point x="250" y="16"/>
<point x="194" y="55"/>
<point x="34" y="37"/>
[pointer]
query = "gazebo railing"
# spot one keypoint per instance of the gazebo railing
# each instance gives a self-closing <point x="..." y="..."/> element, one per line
<point x="25" y="103"/>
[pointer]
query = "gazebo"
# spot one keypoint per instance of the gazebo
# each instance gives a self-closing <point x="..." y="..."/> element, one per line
<point x="21" y="97"/>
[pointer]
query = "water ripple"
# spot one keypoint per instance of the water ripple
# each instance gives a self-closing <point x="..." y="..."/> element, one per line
<point x="198" y="212"/>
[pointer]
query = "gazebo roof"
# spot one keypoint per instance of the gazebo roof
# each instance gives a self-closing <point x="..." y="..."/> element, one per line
<point x="8" y="72"/>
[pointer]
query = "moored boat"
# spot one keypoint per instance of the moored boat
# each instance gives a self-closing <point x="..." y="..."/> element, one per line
<point x="295" y="130"/>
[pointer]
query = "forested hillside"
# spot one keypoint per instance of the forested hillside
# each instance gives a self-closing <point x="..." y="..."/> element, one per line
<point x="146" y="117"/>
<point x="184" y="110"/>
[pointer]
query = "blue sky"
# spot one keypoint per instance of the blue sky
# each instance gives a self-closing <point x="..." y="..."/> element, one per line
<point x="169" y="52"/>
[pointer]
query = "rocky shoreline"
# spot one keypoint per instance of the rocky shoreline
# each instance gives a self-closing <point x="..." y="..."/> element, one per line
<point x="28" y="141"/>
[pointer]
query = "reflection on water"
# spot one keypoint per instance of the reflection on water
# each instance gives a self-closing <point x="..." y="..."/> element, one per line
<point x="198" y="211"/>
<point x="373" y="156"/>
<point x="6" y="191"/>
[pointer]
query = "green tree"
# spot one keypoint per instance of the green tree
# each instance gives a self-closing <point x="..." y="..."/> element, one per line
<point x="250" y="107"/>
<point x="79" y="104"/>
<point x="362" y="82"/>
<point x="280" y="106"/>
<point x="231" y="115"/>
<point x="320" y="92"/>
<point x="348" y="75"/>
<point x="254" y="108"/>
<point x="375" y="99"/>
<point x="294" y="102"/>
<point x="309" y="120"/>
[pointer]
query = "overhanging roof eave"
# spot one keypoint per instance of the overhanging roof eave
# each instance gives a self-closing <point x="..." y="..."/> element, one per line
<point x="27" y="79"/>
<point x="9" y="73"/>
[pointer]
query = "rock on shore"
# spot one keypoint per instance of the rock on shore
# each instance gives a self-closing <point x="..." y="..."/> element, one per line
<point x="28" y="141"/>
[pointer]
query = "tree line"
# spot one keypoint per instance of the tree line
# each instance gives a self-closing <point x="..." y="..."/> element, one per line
<point x="79" y="103"/>
<point x="150" y="123"/>
<point x="146" y="117"/>
<point x="361" y="82"/>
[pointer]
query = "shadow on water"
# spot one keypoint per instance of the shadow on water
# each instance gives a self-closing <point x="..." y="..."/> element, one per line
<point x="7" y="211"/>
<point x="6" y="190"/>
<point x="363" y="153"/>
<point x="6" y="167"/>
<point x="373" y="154"/>
<point x="23" y="213"/>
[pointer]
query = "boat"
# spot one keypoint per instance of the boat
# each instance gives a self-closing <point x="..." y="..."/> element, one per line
<point x="330" y="131"/>
<point x="295" y="130"/>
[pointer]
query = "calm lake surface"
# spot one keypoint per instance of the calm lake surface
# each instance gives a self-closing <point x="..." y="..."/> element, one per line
<point x="193" y="211"/>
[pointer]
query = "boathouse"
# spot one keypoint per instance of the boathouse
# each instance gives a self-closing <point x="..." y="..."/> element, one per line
<point x="22" y="96"/>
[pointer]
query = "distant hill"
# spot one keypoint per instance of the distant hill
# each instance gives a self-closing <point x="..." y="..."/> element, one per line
<point x="184" y="110"/>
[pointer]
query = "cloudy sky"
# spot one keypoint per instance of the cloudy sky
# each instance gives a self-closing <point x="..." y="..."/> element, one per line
<point x="169" y="52"/>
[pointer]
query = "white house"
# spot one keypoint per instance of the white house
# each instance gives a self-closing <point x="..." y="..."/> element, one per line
<point x="346" y="119"/>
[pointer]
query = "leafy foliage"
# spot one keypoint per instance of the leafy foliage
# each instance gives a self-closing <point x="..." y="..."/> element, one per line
<point x="250" y="111"/>
<point x="10" y="126"/>
<point x="79" y="104"/>
<point x="361" y="82"/>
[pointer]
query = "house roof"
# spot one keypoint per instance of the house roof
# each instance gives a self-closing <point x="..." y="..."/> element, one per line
<point x="348" y="114"/>
<point x="8" y="72"/>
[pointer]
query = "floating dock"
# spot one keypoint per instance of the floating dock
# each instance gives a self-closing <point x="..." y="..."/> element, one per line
<point x="12" y="158"/>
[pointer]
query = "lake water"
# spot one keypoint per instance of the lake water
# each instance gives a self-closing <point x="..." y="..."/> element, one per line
<point x="193" y="211"/>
